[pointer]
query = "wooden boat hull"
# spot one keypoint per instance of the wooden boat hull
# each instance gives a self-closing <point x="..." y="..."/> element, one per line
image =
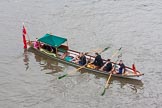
<point x="136" y="77"/>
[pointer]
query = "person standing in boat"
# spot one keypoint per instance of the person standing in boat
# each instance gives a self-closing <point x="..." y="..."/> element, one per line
<point x="107" y="66"/>
<point x="98" y="62"/>
<point x="121" y="68"/>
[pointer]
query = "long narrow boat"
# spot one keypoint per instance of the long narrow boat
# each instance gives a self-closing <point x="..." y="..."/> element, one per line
<point x="57" y="50"/>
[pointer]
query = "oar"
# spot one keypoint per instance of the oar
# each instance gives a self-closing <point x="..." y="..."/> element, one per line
<point x="71" y="72"/>
<point x="81" y="66"/>
<point x="107" y="82"/>
<point x="116" y="52"/>
<point x="98" y="50"/>
<point x="104" y="50"/>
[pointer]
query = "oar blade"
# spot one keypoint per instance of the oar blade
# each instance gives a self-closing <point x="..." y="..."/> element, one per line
<point x="120" y="48"/>
<point x="104" y="49"/>
<point x="62" y="76"/>
<point x="103" y="92"/>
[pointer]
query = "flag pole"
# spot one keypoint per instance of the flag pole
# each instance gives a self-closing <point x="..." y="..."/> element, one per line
<point x="28" y="37"/>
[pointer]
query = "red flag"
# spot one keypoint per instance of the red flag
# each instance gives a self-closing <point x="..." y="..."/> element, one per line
<point x="24" y="37"/>
<point x="24" y="30"/>
<point x="134" y="68"/>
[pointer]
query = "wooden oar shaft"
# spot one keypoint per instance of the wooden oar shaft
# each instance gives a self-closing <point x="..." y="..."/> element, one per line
<point x="116" y="53"/>
<point x="76" y="69"/>
<point x="107" y="82"/>
<point x="98" y="50"/>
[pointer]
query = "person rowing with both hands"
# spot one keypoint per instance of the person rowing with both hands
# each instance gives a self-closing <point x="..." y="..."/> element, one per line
<point x="98" y="62"/>
<point x="81" y="59"/>
<point x="107" y="66"/>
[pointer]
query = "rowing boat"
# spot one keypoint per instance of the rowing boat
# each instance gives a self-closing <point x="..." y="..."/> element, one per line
<point x="63" y="54"/>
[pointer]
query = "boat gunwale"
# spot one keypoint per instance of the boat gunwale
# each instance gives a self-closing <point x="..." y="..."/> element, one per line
<point x="89" y="69"/>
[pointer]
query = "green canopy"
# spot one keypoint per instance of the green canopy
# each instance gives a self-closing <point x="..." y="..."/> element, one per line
<point x="52" y="40"/>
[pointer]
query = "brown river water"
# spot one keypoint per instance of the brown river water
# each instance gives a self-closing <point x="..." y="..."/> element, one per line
<point x="136" y="25"/>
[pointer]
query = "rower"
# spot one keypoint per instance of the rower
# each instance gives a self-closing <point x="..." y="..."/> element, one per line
<point x="81" y="59"/>
<point x="107" y="66"/>
<point x="98" y="62"/>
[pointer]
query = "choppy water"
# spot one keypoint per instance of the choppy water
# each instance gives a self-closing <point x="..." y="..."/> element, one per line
<point x="135" y="25"/>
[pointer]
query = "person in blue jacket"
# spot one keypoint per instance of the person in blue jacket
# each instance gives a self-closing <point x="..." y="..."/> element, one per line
<point x="121" y="68"/>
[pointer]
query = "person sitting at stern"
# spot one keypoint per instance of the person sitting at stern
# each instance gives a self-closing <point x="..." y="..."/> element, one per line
<point x="121" y="68"/>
